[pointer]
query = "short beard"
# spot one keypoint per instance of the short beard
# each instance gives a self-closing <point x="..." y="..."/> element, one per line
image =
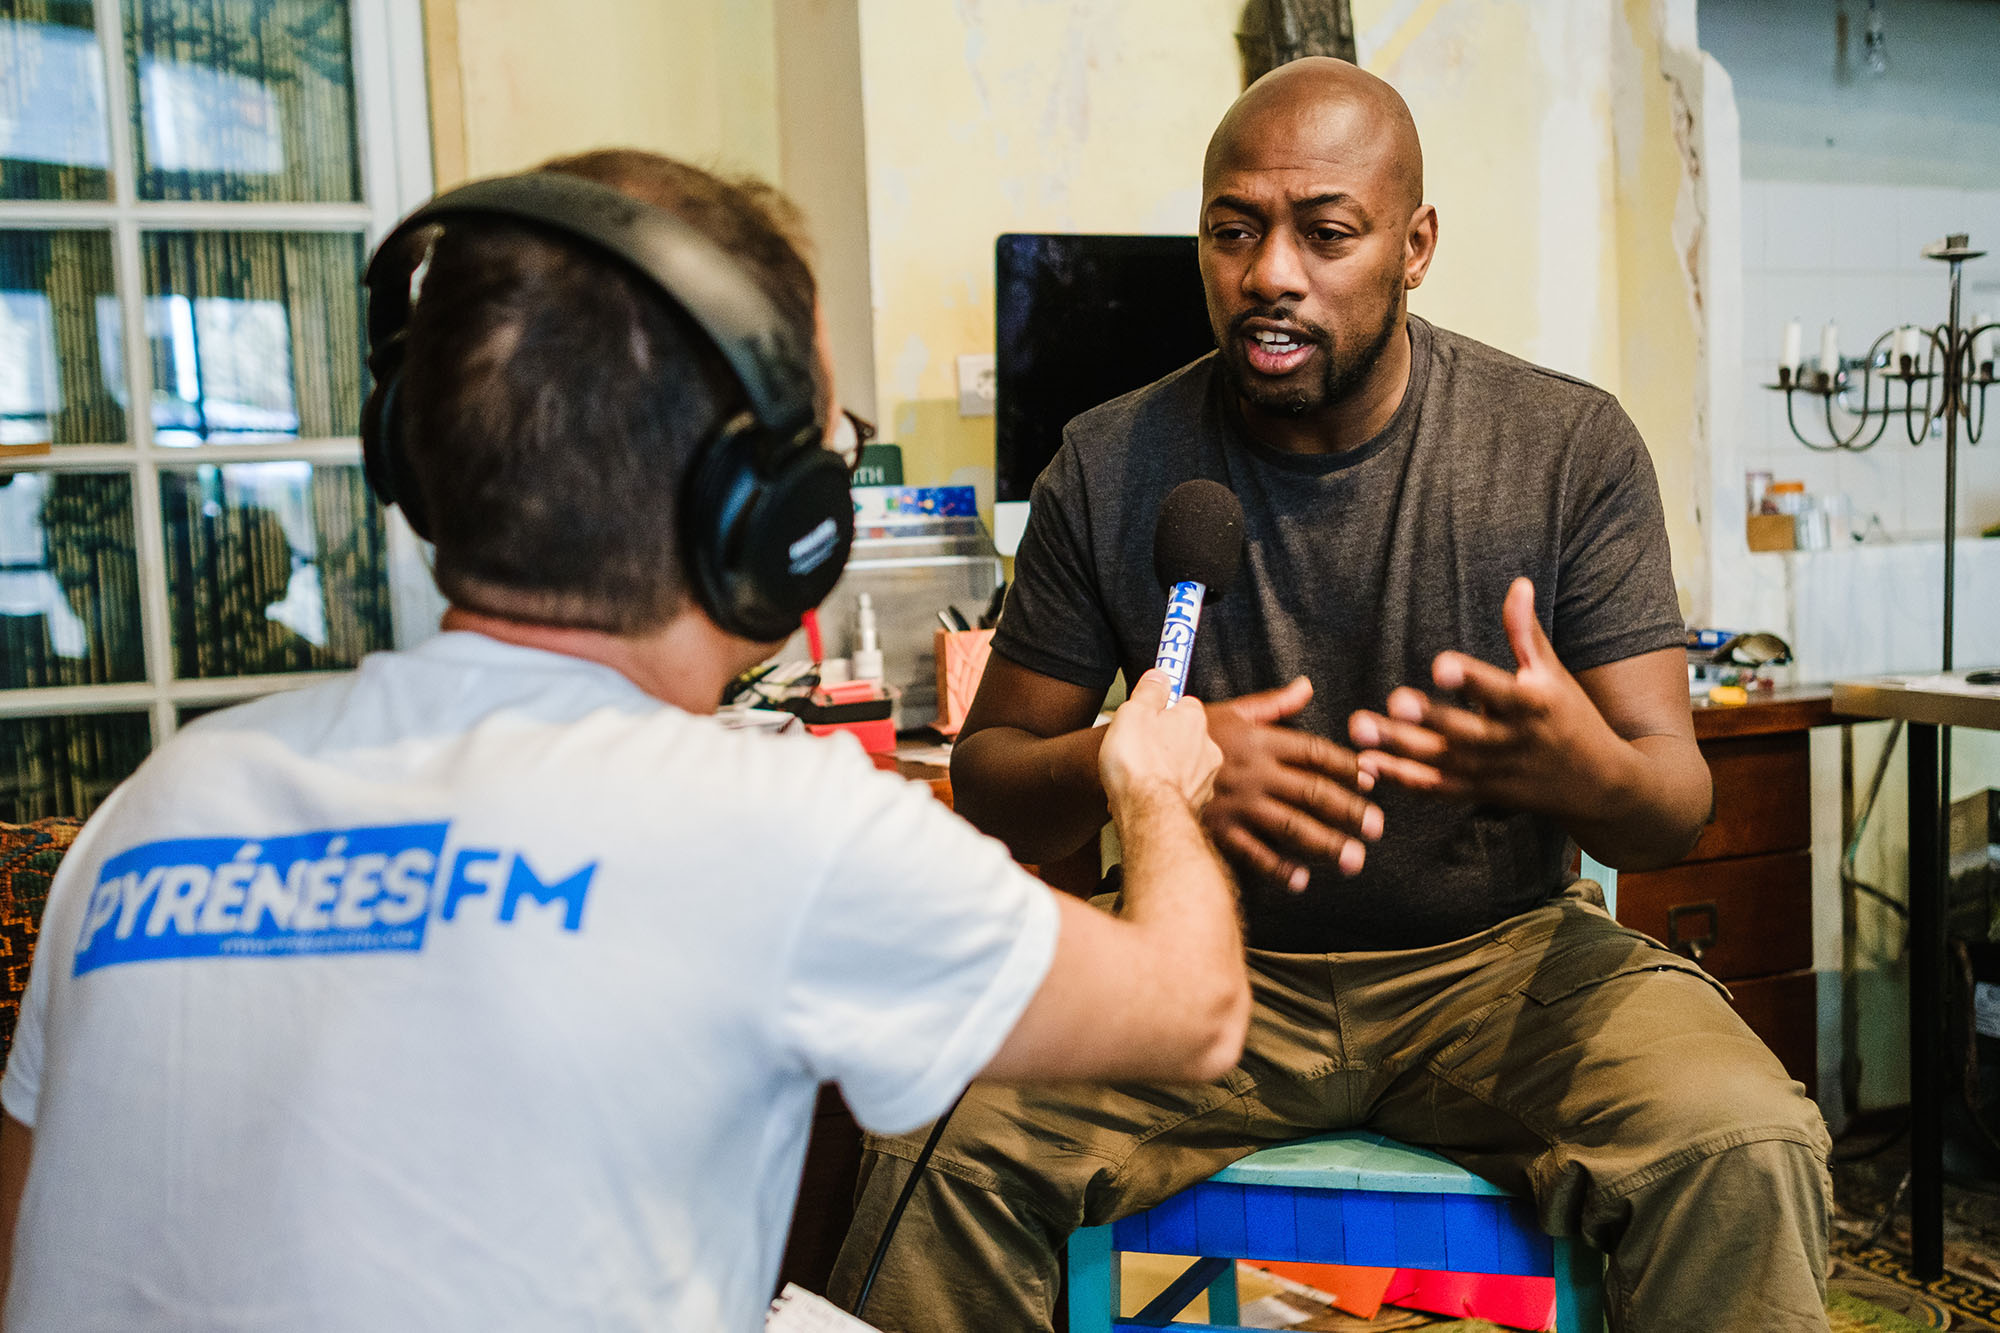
<point x="1339" y="377"/>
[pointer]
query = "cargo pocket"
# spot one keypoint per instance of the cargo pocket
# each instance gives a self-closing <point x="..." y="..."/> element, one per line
<point x="1564" y="971"/>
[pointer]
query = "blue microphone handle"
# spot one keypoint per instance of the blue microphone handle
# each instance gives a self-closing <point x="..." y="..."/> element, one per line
<point x="1177" y="637"/>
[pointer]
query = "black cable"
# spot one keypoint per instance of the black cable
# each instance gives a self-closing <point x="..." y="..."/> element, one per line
<point x="1888" y="1212"/>
<point x="1895" y="905"/>
<point x="902" y="1202"/>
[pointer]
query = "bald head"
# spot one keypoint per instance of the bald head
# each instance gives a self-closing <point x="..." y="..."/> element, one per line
<point x="1313" y="227"/>
<point x="1319" y="110"/>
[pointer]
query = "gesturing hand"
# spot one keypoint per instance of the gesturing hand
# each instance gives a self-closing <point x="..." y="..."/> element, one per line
<point x="1150" y="745"/>
<point x="1532" y="739"/>
<point x="1286" y="797"/>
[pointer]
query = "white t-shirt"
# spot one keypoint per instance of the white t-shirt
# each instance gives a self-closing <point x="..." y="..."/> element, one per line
<point x="479" y="990"/>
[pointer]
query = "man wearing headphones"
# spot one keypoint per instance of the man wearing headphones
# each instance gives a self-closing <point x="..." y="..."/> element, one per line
<point x="489" y="986"/>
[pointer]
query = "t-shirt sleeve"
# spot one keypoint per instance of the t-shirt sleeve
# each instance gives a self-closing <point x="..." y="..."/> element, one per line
<point x="1615" y="598"/>
<point x="914" y="958"/>
<point x="1055" y="621"/>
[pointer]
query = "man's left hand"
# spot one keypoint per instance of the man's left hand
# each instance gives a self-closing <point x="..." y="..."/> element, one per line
<point x="1529" y="738"/>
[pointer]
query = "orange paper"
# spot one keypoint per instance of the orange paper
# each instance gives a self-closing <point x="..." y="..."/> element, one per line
<point x="961" y="658"/>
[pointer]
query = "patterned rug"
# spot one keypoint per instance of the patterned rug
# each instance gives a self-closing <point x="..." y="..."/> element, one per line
<point x="1877" y="1271"/>
<point x="29" y="855"/>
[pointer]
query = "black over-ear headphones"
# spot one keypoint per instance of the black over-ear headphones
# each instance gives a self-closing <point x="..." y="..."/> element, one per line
<point x="766" y="521"/>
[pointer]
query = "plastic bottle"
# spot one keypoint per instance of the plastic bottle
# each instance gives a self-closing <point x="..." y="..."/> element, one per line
<point x="866" y="660"/>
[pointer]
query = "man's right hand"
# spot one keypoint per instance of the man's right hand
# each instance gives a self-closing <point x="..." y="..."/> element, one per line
<point x="1284" y="798"/>
<point x="1153" y="745"/>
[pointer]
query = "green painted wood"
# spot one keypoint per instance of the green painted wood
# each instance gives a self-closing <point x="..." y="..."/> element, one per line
<point x="1093" y="1280"/>
<point x="1355" y="1160"/>
<point x="1222" y="1298"/>
<point x="1579" y="1287"/>
<point x="1604" y="875"/>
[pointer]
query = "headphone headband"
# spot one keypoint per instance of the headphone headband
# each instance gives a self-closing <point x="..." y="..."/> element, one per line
<point x="735" y="313"/>
<point x="765" y="517"/>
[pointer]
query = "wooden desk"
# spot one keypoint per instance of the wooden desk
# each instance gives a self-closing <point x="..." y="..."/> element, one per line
<point x="1740" y="903"/>
<point x="1925" y="707"/>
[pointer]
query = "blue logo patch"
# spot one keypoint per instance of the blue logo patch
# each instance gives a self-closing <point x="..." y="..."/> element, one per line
<point x="351" y="890"/>
<point x="354" y="890"/>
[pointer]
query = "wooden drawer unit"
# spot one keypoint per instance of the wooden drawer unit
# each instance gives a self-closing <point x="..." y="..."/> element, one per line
<point x="1784" y="1011"/>
<point x="1741" y="903"/>
<point x="1763" y="796"/>
<point x="1743" y="917"/>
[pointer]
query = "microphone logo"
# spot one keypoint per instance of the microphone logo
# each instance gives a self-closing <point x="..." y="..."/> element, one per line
<point x="1177" y="634"/>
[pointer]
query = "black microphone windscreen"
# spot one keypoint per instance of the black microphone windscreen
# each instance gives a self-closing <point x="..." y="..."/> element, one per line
<point x="1199" y="537"/>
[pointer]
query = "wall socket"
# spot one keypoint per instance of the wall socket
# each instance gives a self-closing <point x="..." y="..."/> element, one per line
<point x="977" y="381"/>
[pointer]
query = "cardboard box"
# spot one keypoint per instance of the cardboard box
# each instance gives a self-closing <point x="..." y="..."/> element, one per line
<point x="1771" y="532"/>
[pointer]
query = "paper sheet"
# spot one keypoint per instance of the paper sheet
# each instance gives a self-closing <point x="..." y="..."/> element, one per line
<point x="799" y="1311"/>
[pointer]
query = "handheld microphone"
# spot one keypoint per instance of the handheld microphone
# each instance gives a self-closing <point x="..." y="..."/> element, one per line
<point x="1197" y="545"/>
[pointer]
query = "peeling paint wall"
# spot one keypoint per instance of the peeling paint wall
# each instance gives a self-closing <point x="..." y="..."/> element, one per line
<point x="1661" y="236"/>
<point x="1568" y="226"/>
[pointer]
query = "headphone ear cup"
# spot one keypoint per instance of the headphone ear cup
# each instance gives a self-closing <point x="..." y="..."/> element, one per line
<point x="383" y="459"/>
<point x="768" y="527"/>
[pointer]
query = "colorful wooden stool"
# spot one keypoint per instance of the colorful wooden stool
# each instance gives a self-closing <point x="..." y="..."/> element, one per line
<point x="1349" y="1198"/>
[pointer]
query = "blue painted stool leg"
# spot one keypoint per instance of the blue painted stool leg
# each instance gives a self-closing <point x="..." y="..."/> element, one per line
<point x="1222" y="1307"/>
<point x="1093" y="1281"/>
<point x="1579" y="1287"/>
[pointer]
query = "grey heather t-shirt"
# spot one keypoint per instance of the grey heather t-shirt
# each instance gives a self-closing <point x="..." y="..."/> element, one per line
<point x="1359" y="568"/>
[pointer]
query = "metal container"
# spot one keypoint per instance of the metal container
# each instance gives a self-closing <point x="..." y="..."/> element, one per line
<point x="911" y="570"/>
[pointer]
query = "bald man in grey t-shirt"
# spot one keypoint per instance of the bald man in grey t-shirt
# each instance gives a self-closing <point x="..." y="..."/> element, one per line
<point x="1454" y="649"/>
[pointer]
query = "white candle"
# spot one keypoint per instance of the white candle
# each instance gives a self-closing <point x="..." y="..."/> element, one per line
<point x="1909" y="342"/>
<point x="1982" y="343"/>
<point x="1794" y="346"/>
<point x="1829" y="348"/>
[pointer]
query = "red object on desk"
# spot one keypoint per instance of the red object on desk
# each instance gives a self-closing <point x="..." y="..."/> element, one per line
<point x="877" y="735"/>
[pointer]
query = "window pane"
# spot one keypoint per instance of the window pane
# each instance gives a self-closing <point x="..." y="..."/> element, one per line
<point x="255" y="336"/>
<point x="53" y="140"/>
<point x="69" y="581"/>
<point x="62" y="369"/>
<point x="273" y="567"/>
<point x="66" y="765"/>
<point x="242" y="99"/>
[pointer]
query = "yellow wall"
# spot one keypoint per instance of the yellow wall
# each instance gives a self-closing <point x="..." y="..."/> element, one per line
<point x="1569" y="229"/>
<point x="514" y="82"/>
<point x="1015" y="116"/>
<point x="1660" y="235"/>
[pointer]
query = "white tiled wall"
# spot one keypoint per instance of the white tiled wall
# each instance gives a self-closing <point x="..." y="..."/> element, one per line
<point x="1853" y="254"/>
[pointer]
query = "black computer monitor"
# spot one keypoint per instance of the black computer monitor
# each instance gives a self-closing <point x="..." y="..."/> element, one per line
<point x="1078" y="321"/>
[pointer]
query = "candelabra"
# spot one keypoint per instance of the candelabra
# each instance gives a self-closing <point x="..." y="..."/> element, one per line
<point x="1943" y="374"/>
<point x="1953" y="367"/>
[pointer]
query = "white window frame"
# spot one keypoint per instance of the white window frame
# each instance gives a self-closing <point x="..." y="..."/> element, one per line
<point x="392" y="135"/>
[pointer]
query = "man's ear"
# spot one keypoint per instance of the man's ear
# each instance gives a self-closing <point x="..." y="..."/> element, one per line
<point x="1419" y="246"/>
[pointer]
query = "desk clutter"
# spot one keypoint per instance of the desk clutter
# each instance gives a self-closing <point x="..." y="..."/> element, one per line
<point x="1727" y="666"/>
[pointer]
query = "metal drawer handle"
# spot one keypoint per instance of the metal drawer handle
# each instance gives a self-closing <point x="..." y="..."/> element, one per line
<point x="1693" y="945"/>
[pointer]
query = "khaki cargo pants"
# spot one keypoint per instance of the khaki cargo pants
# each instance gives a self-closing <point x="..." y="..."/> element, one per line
<point x="1558" y="1054"/>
